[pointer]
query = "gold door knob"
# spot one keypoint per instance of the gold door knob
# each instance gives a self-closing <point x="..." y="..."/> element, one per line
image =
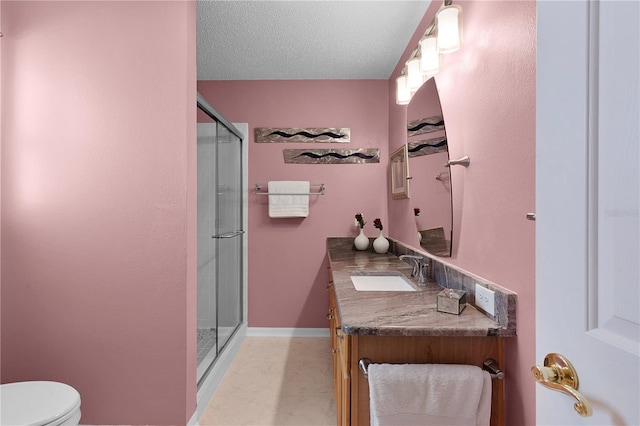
<point x="558" y="374"/>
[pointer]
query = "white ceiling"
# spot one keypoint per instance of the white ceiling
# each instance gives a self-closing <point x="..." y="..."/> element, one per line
<point x="303" y="39"/>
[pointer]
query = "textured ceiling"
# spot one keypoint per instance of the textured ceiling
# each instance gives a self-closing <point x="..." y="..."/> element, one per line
<point x="303" y="39"/>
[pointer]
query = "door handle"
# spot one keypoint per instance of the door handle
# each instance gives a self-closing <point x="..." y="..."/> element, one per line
<point x="558" y="374"/>
<point x="228" y="234"/>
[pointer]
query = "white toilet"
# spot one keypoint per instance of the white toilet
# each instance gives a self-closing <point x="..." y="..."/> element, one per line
<point x="39" y="404"/>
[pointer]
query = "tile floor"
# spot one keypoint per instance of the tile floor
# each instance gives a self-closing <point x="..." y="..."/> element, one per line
<point x="276" y="381"/>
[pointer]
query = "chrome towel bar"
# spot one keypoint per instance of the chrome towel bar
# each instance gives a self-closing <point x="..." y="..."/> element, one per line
<point x="320" y="190"/>
<point x="364" y="366"/>
<point x="489" y="365"/>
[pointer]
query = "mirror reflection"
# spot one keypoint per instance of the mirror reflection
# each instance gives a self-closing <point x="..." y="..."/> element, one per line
<point x="431" y="180"/>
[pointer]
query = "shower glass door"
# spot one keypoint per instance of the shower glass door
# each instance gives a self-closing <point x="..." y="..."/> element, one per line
<point x="220" y="236"/>
<point x="207" y="258"/>
<point x="229" y="234"/>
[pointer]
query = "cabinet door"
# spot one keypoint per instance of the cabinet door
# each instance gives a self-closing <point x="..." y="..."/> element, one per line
<point x="340" y="348"/>
<point x="344" y="377"/>
<point x="337" y="374"/>
<point x="345" y="403"/>
<point x="331" y="316"/>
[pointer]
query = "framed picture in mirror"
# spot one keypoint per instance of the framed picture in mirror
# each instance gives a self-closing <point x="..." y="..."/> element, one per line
<point x="399" y="168"/>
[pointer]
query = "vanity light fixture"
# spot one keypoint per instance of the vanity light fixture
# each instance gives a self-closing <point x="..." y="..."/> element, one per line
<point x="414" y="74"/>
<point x="430" y="57"/>
<point x="449" y="28"/>
<point x="443" y="35"/>
<point x="403" y="94"/>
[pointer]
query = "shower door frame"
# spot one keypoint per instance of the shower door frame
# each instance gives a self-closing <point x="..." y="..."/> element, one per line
<point x="208" y="381"/>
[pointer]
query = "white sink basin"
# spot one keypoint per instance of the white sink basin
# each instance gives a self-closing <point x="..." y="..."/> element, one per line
<point x="381" y="283"/>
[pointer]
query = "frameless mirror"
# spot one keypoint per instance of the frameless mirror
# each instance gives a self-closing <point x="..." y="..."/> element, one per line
<point x="431" y="179"/>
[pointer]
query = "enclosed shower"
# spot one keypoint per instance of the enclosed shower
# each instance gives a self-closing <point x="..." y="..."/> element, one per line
<point x="220" y="234"/>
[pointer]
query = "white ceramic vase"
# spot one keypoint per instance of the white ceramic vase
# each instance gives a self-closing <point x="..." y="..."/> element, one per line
<point x="381" y="244"/>
<point x="361" y="241"/>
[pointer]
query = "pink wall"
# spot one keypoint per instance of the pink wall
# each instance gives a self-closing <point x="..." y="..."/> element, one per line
<point x="487" y="91"/>
<point x="287" y="264"/>
<point x="98" y="206"/>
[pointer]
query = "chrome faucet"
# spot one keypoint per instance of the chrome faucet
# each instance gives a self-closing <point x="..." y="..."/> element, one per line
<point x="419" y="267"/>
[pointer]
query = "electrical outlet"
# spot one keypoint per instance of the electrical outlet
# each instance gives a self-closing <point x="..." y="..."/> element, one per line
<point x="485" y="299"/>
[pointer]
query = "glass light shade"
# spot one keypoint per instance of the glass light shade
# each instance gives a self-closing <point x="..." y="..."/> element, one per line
<point x="403" y="94"/>
<point x="414" y="74"/>
<point x="449" y="22"/>
<point x="429" y="56"/>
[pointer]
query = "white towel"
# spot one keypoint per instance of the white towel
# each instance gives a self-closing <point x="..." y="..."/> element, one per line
<point x="429" y="394"/>
<point x="289" y="205"/>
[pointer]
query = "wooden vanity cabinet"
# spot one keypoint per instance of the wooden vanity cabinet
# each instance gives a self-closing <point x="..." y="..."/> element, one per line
<point x="352" y="388"/>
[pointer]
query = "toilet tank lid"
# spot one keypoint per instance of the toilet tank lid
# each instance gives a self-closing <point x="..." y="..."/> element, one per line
<point x="36" y="403"/>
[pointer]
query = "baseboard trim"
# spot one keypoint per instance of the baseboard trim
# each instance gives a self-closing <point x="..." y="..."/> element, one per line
<point x="286" y="332"/>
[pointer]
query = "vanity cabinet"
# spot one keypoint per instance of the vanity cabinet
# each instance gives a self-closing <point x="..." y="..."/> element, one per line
<point x="352" y="388"/>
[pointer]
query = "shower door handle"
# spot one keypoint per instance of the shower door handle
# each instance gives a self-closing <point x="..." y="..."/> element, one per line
<point x="228" y="234"/>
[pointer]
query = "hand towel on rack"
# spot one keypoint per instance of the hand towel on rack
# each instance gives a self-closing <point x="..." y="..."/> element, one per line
<point x="429" y="394"/>
<point x="294" y="201"/>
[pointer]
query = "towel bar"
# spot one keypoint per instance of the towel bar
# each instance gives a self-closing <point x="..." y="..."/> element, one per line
<point x="320" y="191"/>
<point x="364" y="366"/>
<point x="489" y="365"/>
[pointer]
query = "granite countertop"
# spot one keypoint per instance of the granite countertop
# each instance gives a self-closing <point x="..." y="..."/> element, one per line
<point x="395" y="313"/>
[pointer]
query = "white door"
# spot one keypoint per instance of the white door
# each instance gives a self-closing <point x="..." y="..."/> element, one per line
<point x="587" y="206"/>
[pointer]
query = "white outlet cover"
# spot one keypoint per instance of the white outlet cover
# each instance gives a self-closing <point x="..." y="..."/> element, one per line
<point x="485" y="299"/>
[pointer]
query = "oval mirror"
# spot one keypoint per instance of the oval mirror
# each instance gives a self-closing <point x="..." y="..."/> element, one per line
<point x="431" y="180"/>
